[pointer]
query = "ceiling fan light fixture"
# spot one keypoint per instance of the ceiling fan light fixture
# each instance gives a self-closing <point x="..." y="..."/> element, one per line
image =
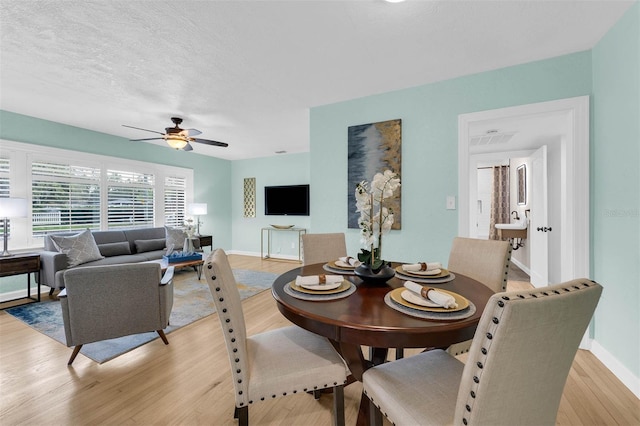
<point x="176" y="142"/>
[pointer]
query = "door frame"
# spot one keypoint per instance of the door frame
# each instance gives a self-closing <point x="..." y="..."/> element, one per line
<point x="575" y="233"/>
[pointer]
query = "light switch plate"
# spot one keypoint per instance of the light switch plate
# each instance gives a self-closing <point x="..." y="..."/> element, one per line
<point x="451" y="202"/>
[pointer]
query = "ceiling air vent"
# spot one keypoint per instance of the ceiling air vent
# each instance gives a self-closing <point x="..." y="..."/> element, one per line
<point x="491" y="137"/>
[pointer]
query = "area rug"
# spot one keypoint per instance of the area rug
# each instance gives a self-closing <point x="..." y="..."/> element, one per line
<point x="191" y="302"/>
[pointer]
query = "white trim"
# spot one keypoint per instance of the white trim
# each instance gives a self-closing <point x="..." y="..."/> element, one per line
<point x="620" y="371"/>
<point x="575" y="220"/>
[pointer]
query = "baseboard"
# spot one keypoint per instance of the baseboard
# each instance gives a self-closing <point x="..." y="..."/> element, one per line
<point x="272" y="257"/>
<point x="620" y="371"/>
<point x="19" y="294"/>
<point x="521" y="266"/>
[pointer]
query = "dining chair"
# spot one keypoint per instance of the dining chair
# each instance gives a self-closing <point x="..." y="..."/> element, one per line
<point x="486" y="261"/>
<point x="317" y="248"/>
<point x="515" y="372"/>
<point x="275" y="363"/>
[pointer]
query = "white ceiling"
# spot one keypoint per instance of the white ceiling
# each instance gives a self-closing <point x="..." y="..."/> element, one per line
<point x="247" y="72"/>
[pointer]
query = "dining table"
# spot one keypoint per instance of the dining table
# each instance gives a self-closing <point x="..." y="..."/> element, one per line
<point x="363" y="318"/>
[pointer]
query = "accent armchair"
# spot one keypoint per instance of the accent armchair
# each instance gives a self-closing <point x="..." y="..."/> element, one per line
<point x="516" y="369"/>
<point x="105" y="302"/>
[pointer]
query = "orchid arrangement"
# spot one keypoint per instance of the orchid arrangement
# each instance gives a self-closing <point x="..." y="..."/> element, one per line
<point x="375" y="218"/>
<point x="189" y="228"/>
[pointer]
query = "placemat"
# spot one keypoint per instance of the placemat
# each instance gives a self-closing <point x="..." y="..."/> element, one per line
<point x="447" y="316"/>
<point x="319" y="297"/>
<point x="338" y="271"/>
<point x="426" y="280"/>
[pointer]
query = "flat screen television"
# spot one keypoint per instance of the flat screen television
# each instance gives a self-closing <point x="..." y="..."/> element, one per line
<point x="291" y="200"/>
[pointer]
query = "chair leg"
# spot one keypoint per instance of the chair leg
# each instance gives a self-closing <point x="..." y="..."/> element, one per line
<point x="338" y="405"/>
<point x="317" y="393"/>
<point x="375" y="415"/>
<point x="399" y="353"/>
<point x="74" y="354"/>
<point x="242" y="414"/>
<point x="51" y="291"/>
<point x="163" y="337"/>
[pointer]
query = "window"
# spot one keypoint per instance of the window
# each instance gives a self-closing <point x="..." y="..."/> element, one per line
<point x="65" y="197"/>
<point x="129" y="199"/>
<point x="174" y="200"/>
<point x="4" y="187"/>
<point x="72" y="191"/>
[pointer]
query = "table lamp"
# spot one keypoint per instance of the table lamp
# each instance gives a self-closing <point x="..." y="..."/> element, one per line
<point x="197" y="209"/>
<point x="9" y="208"/>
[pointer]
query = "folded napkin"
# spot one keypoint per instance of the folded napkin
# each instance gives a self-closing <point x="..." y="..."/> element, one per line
<point x="421" y="266"/>
<point x="352" y="261"/>
<point x="318" y="280"/>
<point x="443" y="299"/>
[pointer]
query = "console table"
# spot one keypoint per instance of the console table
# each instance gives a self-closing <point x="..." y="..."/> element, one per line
<point x="19" y="264"/>
<point x="271" y="229"/>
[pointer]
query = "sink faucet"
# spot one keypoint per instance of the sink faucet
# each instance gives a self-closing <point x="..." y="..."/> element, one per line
<point x="517" y="216"/>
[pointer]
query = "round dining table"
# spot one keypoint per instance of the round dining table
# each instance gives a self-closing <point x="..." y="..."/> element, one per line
<point x="364" y="319"/>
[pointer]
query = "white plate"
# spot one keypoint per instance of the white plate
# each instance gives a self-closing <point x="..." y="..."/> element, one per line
<point x="318" y="287"/>
<point x="411" y="297"/>
<point x="343" y="264"/>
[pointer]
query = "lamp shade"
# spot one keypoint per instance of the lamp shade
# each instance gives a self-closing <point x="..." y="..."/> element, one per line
<point x="13" y="207"/>
<point x="197" y="208"/>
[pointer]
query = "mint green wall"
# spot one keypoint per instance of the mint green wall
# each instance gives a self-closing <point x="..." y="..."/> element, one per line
<point x="289" y="169"/>
<point x="211" y="175"/>
<point x="429" y="116"/>
<point x="615" y="188"/>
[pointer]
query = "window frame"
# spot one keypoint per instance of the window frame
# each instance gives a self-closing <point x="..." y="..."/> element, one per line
<point x="22" y="154"/>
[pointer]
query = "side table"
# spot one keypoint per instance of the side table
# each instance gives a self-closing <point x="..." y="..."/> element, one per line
<point x="18" y="264"/>
<point x="206" y="240"/>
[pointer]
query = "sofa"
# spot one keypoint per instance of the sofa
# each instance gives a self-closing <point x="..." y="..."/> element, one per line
<point x="114" y="247"/>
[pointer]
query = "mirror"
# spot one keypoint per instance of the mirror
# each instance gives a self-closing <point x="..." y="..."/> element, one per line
<point x="521" y="172"/>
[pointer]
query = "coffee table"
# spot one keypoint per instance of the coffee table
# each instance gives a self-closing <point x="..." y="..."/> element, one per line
<point x="196" y="264"/>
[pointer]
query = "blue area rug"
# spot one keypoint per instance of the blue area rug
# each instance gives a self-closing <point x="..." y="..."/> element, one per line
<point x="191" y="302"/>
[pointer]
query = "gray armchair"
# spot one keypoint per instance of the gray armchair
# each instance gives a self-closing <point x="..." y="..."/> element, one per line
<point x="105" y="302"/>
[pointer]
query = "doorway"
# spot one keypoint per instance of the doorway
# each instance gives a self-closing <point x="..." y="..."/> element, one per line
<point x="571" y="256"/>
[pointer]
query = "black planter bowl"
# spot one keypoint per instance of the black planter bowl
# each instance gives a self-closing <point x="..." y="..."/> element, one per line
<point x="368" y="275"/>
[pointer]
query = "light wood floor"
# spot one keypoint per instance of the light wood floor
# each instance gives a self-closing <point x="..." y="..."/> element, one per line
<point x="188" y="382"/>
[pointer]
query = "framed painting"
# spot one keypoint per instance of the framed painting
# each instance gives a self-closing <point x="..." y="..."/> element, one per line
<point x="373" y="148"/>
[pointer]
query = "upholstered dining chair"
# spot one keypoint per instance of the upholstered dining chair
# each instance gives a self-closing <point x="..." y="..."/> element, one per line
<point x="515" y="373"/>
<point x="486" y="261"/>
<point x="275" y="363"/>
<point x="105" y="302"/>
<point x="317" y="248"/>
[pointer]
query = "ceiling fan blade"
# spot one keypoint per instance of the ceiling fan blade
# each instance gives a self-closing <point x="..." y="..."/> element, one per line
<point x="193" y="132"/>
<point x="147" y="139"/>
<point x="146" y="130"/>
<point x="187" y="147"/>
<point x="209" y="142"/>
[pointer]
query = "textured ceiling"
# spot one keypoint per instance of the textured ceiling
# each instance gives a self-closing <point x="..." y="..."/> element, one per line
<point x="247" y="72"/>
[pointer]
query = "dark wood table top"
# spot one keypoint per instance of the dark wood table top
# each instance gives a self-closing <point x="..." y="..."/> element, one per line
<point x="363" y="318"/>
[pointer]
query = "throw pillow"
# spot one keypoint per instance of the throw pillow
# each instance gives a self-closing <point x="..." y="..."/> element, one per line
<point x="175" y="236"/>
<point x="114" y="249"/>
<point x="149" y="245"/>
<point x="80" y="248"/>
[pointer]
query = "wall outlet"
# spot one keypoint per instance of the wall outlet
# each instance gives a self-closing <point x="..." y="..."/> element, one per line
<point x="451" y="202"/>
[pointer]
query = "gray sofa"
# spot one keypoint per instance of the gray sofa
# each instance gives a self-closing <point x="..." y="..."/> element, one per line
<point x="144" y="245"/>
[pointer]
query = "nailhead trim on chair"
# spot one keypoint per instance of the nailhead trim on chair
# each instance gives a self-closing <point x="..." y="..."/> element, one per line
<point x="493" y="326"/>
<point x="235" y="350"/>
<point x="376" y="404"/>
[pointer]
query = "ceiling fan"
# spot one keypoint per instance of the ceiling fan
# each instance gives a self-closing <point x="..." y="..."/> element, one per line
<point x="178" y="138"/>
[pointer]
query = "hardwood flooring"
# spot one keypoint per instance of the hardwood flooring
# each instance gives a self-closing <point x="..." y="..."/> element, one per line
<point x="188" y="381"/>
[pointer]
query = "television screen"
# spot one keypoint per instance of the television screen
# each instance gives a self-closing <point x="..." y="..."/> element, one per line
<point x="290" y="200"/>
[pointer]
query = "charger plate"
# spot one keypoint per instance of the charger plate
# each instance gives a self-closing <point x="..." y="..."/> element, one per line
<point x="319" y="296"/>
<point x="424" y="279"/>
<point x="338" y="264"/>
<point x="331" y="288"/>
<point x="341" y="271"/>
<point x="423" y="274"/>
<point x="439" y="316"/>
<point x="396" y="296"/>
